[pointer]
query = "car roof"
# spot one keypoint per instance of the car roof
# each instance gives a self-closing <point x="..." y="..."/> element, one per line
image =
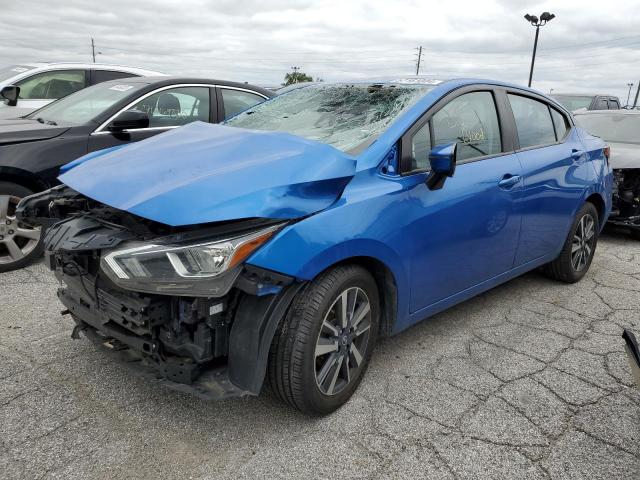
<point x="91" y="66"/>
<point x="173" y="80"/>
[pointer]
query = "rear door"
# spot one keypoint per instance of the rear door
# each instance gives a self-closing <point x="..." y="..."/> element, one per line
<point x="168" y="108"/>
<point x="555" y="172"/>
<point x="467" y="232"/>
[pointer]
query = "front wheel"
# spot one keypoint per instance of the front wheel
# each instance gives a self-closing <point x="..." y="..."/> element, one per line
<point x="19" y="244"/>
<point x="322" y="349"/>
<point x="580" y="246"/>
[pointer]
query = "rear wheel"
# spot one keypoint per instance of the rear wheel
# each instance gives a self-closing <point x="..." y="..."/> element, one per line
<point x="580" y="246"/>
<point x="19" y="244"/>
<point x="322" y="349"/>
<point x="635" y="234"/>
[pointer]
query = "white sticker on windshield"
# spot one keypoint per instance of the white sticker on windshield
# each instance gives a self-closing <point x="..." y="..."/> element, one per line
<point x="19" y="69"/>
<point x="121" y="88"/>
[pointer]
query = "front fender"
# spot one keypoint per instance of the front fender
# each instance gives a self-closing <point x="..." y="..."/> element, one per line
<point x="304" y="255"/>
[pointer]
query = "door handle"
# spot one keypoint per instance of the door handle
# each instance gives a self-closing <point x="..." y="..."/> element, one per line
<point x="509" y="181"/>
<point x="576" y="154"/>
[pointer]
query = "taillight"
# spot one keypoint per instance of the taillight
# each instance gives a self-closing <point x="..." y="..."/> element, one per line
<point x="607" y="152"/>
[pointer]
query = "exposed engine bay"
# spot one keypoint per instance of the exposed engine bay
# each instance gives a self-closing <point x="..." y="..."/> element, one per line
<point x="626" y="198"/>
<point x="214" y="345"/>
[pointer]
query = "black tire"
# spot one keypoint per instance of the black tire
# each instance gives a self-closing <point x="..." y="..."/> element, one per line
<point x="635" y="234"/>
<point x="8" y="227"/>
<point x="293" y="365"/>
<point x="564" y="268"/>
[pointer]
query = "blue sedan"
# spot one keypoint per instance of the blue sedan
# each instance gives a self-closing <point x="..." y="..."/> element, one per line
<point x="281" y="245"/>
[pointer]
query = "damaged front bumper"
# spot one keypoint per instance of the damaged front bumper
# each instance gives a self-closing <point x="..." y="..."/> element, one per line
<point x="214" y="347"/>
<point x="626" y="198"/>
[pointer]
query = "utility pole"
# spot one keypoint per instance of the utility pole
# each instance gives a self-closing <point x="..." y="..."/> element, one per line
<point x="93" y="50"/>
<point x="630" y="84"/>
<point x="545" y="18"/>
<point x="635" y="102"/>
<point x="419" y="60"/>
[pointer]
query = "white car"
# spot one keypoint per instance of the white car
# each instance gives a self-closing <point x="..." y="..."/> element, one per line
<point x="41" y="83"/>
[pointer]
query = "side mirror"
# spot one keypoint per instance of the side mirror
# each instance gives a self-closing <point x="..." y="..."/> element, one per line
<point x="129" y="120"/>
<point x="10" y="93"/>
<point x="442" y="160"/>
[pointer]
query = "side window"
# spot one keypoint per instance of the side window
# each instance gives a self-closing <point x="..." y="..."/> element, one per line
<point x="533" y="121"/>
<point x="560" y="123"/>
<point x="52" y="85"/>
<point x="100" y="76"/>
<point x="235" y="101"/>
<point x="470" y="120"/>
<point x="420" y="148"/>
<point x="601" y="104"/>
<point x="614" y="105"/>
<point x="176" y="106"/>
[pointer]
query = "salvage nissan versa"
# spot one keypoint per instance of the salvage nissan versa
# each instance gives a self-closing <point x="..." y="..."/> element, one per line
<point x="280" y="246"/>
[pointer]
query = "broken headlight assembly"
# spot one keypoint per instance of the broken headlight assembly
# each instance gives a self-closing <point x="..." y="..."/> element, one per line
<point x="206" y="268"/>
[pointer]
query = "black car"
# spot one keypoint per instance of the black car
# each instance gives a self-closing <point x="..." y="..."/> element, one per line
<point x="585" y="101"/>
<point x="621" y="130"/>
<point x="33" y="148"/>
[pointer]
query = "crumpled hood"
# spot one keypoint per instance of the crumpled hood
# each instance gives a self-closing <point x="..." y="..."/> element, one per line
<point x="19" y="130"/>
<point x="205" y="173"/>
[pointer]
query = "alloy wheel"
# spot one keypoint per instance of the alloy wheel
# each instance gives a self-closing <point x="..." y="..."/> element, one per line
<point x="582" y="245"/>
<point x="16" y="241"/>
<point x="342" y="341"/>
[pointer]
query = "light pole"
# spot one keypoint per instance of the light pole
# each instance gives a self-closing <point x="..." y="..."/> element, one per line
<point x="545" y="18"/>
<point x="630" y="84"/>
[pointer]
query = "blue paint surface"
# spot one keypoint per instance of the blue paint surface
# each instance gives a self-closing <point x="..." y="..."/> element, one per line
<point x="493" y="220"/>
<point x="205" y="173"/>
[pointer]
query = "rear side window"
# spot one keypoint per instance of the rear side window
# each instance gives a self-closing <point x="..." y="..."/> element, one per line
<point x="560" y="123"/>
<point x="614" y="105"/>
<point x="470" y="120"/>
<point x="236" y="101"/>
<point x="533" y="121"/>
<point x="100" y="76"/>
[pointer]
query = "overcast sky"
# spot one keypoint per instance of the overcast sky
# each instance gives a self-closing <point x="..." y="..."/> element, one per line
<point x="590" y="45"/>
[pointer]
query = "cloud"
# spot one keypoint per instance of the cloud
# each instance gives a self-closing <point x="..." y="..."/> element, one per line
<point x="582" y="49"/>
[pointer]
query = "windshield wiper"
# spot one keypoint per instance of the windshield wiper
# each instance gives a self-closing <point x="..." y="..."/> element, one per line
<point x="48" y="122"/>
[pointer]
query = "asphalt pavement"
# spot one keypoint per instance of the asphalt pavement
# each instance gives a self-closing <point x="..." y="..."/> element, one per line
<point x="526" y="381"/>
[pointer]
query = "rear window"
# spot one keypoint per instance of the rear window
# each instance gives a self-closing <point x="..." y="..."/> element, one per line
<point x="533" y="121"/>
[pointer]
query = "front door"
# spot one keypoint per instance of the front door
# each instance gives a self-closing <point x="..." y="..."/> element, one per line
<point x="167" y="109"/>
<point x="467" y="232"/>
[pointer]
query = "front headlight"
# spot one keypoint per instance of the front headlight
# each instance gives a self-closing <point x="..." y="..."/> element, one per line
<point x="200" y="269"/>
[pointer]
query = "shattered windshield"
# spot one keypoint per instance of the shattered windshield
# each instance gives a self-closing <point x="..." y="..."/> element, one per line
<point x="344" y="116"/>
